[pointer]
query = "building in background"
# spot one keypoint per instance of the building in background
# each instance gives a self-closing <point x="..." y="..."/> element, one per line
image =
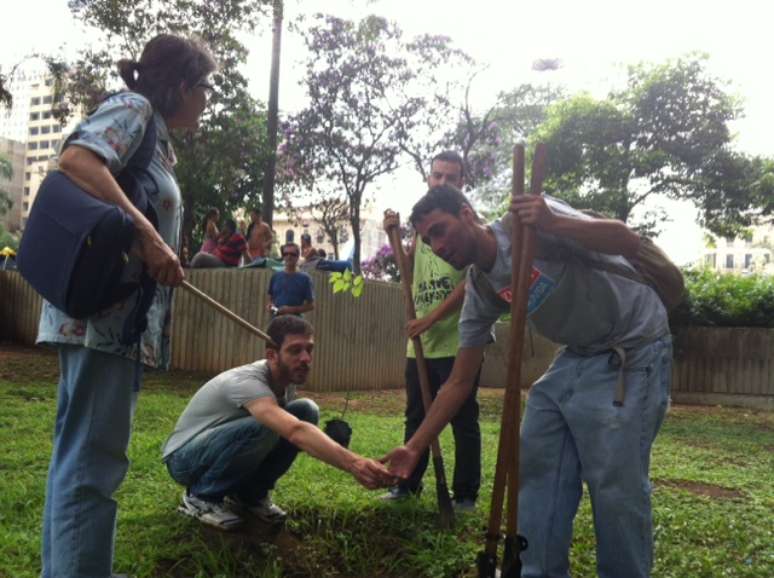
<point x="21" y="80"/>
<point x="372" y="236"/>
<point x="31" y="121"/>
<point x="742" y="256"/>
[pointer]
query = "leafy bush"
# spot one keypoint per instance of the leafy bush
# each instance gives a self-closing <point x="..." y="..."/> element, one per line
<point x="719" y="300"/>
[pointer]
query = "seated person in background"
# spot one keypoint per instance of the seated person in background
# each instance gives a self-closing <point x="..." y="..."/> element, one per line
<point x="242" y="431"/>
<point x="290" y="290"/>
<point x="335" y="265"/>
<point x="211" y="233"/>
<point x="274" y="246"/>
<point x="258" y="238"/>
<point x="312" y="259"/>
<point x="227" y="253"/>
<point x="307" y="250"/>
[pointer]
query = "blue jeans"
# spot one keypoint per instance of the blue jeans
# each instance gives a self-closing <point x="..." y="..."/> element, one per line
<point x="241" y="458"/>
<point x="96" y="400"/>
<point x="572" y="432"/>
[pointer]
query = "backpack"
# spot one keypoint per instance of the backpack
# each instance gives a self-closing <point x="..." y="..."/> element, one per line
<point x="75" y="246"/>
<point x="650" y="265"/>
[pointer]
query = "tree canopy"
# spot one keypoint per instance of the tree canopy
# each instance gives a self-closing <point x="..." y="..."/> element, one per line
<point x="362" y="83"/>
<point x="666" y="133"/>
<point x="486" y="141"/>
<point x="222" y="164"/>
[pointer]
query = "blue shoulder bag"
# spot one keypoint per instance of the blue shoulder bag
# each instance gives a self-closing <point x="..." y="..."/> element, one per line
<point x="75" y="246"/>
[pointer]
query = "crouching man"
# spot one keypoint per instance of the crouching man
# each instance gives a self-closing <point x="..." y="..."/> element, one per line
<point x="242" y="430"/>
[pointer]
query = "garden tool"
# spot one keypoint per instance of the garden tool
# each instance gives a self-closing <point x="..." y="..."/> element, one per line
<point x="445" y="508"/>
<point x="507" y="468"/>
<point x="227" y="312"/>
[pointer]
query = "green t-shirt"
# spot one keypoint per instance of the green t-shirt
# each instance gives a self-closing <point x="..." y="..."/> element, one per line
<point x="434" y="280"/>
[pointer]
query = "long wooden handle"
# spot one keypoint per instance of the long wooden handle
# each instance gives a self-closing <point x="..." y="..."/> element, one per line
<point x="504" y="464"/>
<point x="444" y="502"/>
<point x="522" y="254"/>
<point x="520" y="290"/>
<point x="227" y="312"/>
<point x="411" y="314"/>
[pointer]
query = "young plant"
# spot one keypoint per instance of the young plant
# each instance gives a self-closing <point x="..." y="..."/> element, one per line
<point x="347" y="282"/>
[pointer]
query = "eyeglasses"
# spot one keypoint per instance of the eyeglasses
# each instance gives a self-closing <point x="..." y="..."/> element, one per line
<point x="290" y="254"/>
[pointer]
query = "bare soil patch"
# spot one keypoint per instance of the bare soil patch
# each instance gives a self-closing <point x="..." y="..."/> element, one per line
<point x="702" y="489"/>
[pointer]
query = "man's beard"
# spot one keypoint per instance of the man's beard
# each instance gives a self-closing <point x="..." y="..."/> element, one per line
<point x="297" y="376"/>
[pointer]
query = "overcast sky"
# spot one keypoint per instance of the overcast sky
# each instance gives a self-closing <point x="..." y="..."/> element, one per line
<point x="594" y="40"/>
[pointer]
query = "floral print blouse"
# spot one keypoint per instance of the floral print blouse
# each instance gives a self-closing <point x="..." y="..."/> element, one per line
<point x="114" y="132"/>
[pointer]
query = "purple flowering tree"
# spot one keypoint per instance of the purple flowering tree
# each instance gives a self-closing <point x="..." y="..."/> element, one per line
<point x="360" y="110"/>
<point x="486" y="141"/>
<point x="382" y="266"/>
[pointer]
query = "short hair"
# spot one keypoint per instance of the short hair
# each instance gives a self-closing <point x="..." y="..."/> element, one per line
<point x="443" y="197"/>
<point x="286" y="245"/>
<point x="450" y="156"/>
<point x="284" y="325"/>
<point x="166" y="61"/>
<point x="306" y="238"/>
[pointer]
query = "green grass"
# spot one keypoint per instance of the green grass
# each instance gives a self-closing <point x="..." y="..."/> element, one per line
<point x="713" y="498"/>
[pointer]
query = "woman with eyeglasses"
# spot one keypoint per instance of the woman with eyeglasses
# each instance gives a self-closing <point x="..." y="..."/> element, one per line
<point x="167" y="89"/>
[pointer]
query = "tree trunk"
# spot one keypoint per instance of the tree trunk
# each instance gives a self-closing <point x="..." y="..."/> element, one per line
<point x="273" y="112"/>
<point x="354" y="221"/>
<point x="335" y="242"/>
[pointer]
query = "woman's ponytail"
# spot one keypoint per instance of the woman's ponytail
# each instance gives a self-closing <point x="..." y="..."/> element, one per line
<point x="129" y="71"/>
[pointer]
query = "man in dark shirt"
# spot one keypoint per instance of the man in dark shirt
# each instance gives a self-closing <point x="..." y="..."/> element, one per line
<point x="290" y="291"/>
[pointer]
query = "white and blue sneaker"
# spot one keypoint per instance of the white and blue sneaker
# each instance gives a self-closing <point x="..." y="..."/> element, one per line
<point x="214" y="514"/>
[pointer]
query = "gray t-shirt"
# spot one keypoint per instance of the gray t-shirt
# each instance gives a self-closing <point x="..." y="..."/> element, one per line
<point x="222" y="399"/>
<point x="570" y="302"/>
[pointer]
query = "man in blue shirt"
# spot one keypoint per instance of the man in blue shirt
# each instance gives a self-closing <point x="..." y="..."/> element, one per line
<point x="290" y="291"/>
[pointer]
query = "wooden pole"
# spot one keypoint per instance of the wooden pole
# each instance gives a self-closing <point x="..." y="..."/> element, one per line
<point x="445" y="508"/>
<point x="514" y="544"/>
<point x="507" y="468"/>
<point x="227" y="312"/>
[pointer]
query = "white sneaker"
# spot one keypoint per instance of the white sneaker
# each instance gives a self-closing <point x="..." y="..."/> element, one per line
<point x="212" y="513"/>
<point x="265" y="510"/>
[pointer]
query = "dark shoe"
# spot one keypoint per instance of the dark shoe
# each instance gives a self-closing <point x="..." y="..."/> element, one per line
<point x="464" y="505"/>
<point x="399" y="493"/>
